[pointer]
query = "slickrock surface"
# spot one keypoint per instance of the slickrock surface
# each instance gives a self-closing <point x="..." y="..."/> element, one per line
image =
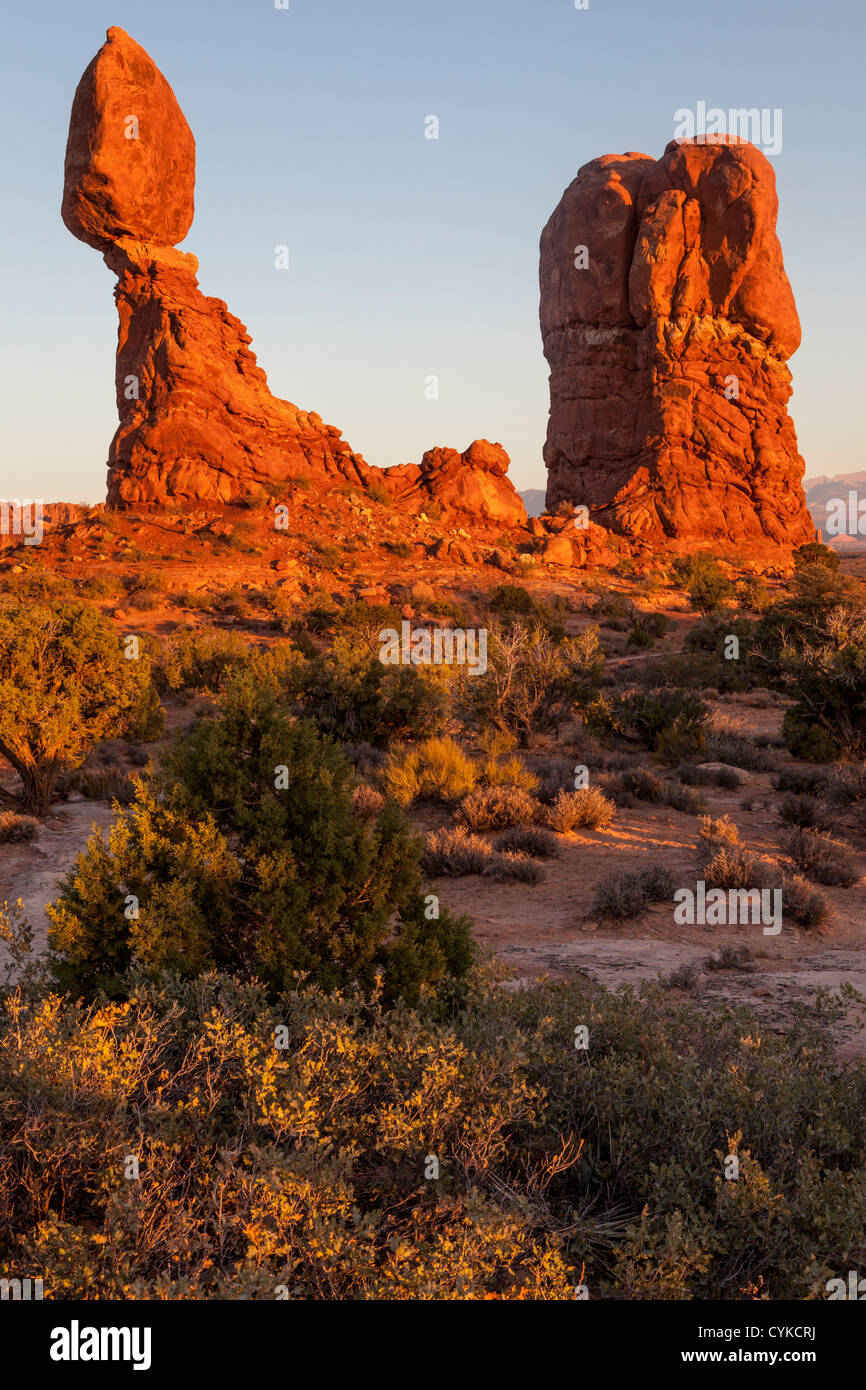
<point x="668" y="351"/>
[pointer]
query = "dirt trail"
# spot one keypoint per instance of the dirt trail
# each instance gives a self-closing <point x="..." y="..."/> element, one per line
<point x="30" y="871"/>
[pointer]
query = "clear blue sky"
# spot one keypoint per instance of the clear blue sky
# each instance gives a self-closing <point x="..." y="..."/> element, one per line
<point x="410" y="256"/>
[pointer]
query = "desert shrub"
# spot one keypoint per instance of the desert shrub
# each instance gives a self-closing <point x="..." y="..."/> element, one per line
<point x="532" y="683"/>
<point x="812" y="646"/>
<point x="585" y="809"/>
<point x="732" y="866"/>
<point x="102" y="784"/>
<point x="695" y="775"/>
<point x="613" y="610"/>
<point x="14" y="827"/>
<point x="150" y="580"/>
<point x="353" y="696"/>
<point x="801" y="781"/>
<point x="510" y="771"/>
<point x="35" y="584"/>
<point x="726" y="864"/>
<point x="361" y="615"/>
<point x="641" y="783"/>
<point x="626" y="895"/>
<point x="807" y="740"/>
<point x="703" y="581"/>
<point x="647" y="628"/>
<point x="826" y="860"/>
<point x="497" y="808"/>
<point x="803" y="903"/>
<point x="707" y="661"/>
<point x="716" y="830"/>
<point x="730" y="958"/>
<point x="96" y="586"/>
<point x="656" y="718"/>
<point x="684" y="977"/>
<point x="753" y="593"/>
<point x="553" y="1172"/>
<point x="552" y="776"/>
<point x="378" y="492"/>
<point x="513" y="867"/>
<point x="437" y="768"/>
<point x="369" y="802"/>
<point x="199" y="600"/>
<point x="199" y="659"/>
<point x="726" y="746"/>
<point x="455" y="852"/>
<point x="325" y="555"/>
<point x="64" y="685"/>
<point x="245" y="853"/>
<point x="804" y="811"/>
<point x="846" y="786"/>
<point x="529" y="839"/>
<point x="512" y="599"/>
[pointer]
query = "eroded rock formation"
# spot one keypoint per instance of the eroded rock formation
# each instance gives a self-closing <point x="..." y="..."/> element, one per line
<point x="667" y="321"/>
<point x="473" y="482"/>
<point x="197" y="421"/>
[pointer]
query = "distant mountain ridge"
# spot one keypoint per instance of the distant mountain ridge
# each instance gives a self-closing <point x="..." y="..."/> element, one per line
<point x="824" y="490"/>
<point x="533" y="500"/>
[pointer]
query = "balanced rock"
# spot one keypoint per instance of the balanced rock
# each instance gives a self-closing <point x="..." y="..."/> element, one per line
<point x="197" y="420"/>
<point x="130" y="158"/>
<point x="667" y="321"/>
<point x="474" y="482"/>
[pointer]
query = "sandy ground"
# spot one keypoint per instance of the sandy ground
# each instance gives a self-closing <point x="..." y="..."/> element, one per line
<point x="31" y="871"/>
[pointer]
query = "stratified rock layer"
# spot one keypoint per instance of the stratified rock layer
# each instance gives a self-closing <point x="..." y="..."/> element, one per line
<point x="197" y="421"/>
<point x="667" y="352"/>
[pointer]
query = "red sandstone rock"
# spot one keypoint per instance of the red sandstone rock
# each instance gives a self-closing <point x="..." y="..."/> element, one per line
<point x="474" y="482"/>
<point x="668" y="380"/>
<point x="197" y="421"/>
<point x="130" y="157"/>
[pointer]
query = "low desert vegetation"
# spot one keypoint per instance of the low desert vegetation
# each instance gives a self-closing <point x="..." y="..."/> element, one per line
<point x="822" y="858"/>
<point x="436" y="768"/>
<point x="245" y="852"/>
<point x="584" y="809"/>
<point x="556" y="1167"/>
<point x="529" y="839"/>
<point x="65" y="683"/>
<point x="704" y="581"/>
<point x="533" y="683"/>
<point x="498" y="808"/>
<point x="627" y="895"/>
<point x="14" y="827"/>
<point x="455" y="852"/>
<point x="642" y="784"/>
<point x="725" y="863"/>
<point x="253" y="963"/>
<point x="666" y="719"/>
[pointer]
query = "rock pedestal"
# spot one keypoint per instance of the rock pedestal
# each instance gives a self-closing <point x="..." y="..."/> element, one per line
<point x="667" y="321"/>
